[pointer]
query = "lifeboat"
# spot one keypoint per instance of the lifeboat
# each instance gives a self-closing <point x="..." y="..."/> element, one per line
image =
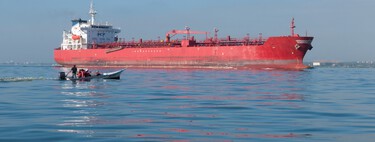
<point x="76" y="37"/>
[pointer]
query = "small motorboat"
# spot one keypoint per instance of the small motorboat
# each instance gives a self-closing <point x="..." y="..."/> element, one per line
<point x="109" y="75"/>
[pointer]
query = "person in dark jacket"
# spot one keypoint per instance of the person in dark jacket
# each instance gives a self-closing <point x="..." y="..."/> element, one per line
<point x="74" y="71"/>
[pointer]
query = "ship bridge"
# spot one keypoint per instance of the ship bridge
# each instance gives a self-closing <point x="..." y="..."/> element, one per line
<point x="86" y="33"/>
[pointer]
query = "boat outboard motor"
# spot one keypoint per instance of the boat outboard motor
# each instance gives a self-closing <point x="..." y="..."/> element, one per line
<point x="62" y="76"/>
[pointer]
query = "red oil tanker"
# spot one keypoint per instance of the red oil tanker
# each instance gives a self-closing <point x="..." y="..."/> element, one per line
<point x="92" y="44"/>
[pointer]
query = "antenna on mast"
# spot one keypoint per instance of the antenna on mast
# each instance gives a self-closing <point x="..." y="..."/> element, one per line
<point x="92" y="12"/>
<point x="292" y="26"/>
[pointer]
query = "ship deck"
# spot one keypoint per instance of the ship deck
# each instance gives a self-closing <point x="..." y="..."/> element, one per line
<point x="176" y="43"/>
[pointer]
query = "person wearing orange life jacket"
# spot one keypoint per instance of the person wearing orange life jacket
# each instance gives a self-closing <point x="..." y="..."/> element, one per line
<point x="81" y="73"/>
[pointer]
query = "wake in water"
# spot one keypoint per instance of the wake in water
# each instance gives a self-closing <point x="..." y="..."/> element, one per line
<point x="21" y="79"/>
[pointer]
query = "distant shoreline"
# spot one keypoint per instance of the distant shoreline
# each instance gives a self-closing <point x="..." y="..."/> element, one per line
<point x="354" y="64"/>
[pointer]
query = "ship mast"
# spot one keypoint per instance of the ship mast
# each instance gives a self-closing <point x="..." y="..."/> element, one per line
<point x="187" y="32"/>
<point x="292" y="26"/>
<point x="92" y="12"/>
<point x="216" y="31"/>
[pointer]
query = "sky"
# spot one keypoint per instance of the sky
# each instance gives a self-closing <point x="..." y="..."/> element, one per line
<point x="343" y="29"/>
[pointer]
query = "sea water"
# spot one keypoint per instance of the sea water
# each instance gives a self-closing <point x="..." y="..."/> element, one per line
<point x="320" y="104"/>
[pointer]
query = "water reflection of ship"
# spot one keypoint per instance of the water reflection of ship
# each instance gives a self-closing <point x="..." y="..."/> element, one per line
<point x="87" y="108"/>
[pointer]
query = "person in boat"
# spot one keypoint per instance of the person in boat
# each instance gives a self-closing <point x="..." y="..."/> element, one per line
<point x="74" y="71"/>
<point x="98" y="73"/>
<point x="87" y="73"/>
<point x="81" y="73"/>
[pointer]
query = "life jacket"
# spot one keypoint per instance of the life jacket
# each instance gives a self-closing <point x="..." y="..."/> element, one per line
<point x="81" y="74"/>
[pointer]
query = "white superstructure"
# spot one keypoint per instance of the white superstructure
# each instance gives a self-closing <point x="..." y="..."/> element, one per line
<point x="84" y="34"/>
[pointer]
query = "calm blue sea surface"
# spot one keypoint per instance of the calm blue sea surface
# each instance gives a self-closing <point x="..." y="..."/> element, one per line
<point x="321" y="104"/>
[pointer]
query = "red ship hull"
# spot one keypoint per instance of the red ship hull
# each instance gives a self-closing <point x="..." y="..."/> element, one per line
<point x="276" y="52"/>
